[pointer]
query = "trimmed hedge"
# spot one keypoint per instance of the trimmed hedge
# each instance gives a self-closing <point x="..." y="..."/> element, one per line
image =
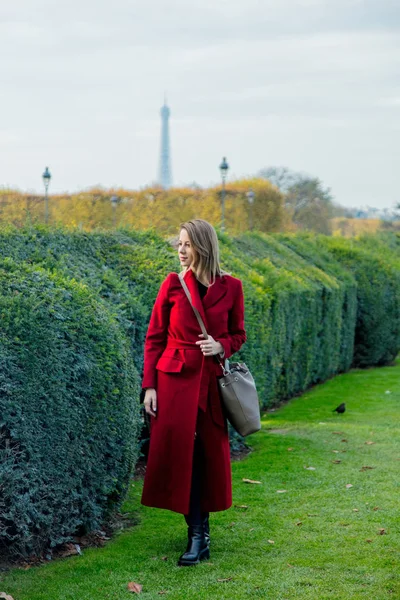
<point x="68" y="415"/>
<point x="303" y="318"/>
<point x="75" y="308"/>
<point x="123" y="268"/>
<point x="377" y="272"/>
<point x="314" y="255"/>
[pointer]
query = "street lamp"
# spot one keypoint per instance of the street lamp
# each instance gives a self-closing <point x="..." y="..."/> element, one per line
<point x="46" y="180"/>
<point x="250" y="197"/>
<point x="223" y="167"/>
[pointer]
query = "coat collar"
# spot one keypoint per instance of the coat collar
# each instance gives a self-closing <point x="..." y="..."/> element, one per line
<point x="214" y="293"/>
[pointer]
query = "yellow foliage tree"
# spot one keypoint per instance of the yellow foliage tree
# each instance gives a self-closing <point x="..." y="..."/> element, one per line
<point x="154" y="207"/>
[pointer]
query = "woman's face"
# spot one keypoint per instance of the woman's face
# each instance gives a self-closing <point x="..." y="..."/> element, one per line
<point x="185" y="249"/>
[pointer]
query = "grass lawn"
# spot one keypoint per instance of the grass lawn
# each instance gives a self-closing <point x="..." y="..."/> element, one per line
<point x="317" y="539"/>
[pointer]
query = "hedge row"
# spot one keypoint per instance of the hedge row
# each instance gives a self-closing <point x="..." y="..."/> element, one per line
<point x="305" y="323"/>
<point x="68" y="410"/>
<point x="75" y="308"/>
<point x="376" y="269"/>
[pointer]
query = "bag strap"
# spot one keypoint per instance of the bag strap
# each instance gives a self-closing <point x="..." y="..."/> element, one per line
<point x="225" y="365"/>
<point x="196" y="312"/>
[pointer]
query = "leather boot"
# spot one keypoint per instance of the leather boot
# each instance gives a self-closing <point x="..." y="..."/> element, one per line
<point x="197" y="547"/>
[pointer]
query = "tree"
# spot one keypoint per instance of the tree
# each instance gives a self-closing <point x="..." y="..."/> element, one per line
<point x="282" y="177"/>
<point x="306" y="199"/>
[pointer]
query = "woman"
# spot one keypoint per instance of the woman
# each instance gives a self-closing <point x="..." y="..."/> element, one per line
<point x="188" y="469"/>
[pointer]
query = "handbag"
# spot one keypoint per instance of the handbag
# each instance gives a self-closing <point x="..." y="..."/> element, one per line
<point x="237" y="387"/>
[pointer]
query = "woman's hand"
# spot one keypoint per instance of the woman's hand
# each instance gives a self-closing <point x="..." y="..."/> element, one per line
<point x="150" y="401"/>
<point x="209" y="346"/>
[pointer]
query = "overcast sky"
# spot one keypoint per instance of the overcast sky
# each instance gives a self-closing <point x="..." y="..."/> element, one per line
<point x="313" y="85"/>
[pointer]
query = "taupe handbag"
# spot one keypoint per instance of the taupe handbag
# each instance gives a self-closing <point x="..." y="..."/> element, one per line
<point x="237" y="387"/>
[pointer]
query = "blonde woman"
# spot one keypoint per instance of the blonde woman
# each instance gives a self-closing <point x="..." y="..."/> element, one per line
<point x="188" y="469"/>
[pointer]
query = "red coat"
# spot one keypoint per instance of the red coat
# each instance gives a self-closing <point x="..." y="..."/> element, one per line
<point x="185" y="381"/>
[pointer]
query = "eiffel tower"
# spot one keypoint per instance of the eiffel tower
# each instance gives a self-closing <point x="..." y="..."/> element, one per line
<point x="165" y="177"/>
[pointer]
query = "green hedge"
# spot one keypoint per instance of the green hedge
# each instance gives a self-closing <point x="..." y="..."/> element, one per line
<point x="123" y="268"/>
<point x="68" y="423"/>
<point x="75" y="308"/>
<point x="303" y="245"/>
<point x="377" y="272"/>
<point x="375" y="265"/>
<point x="302" y="317"/>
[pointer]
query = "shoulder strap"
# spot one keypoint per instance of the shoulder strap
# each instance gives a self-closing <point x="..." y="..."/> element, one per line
<point x="196" y="312"/>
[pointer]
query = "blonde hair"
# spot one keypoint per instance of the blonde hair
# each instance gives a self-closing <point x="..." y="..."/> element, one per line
<point x="204" y="241"/>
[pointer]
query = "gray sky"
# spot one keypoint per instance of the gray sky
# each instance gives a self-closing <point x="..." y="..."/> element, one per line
<point x="313" y="85"/>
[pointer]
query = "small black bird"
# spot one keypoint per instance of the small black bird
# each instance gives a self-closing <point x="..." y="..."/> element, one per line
<point x="341" y="408"/>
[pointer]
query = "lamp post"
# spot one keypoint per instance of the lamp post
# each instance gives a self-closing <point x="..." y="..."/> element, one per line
<point x="46" y="181"/>
<point x="223" y="167"/>
<point x="250" y="197"/>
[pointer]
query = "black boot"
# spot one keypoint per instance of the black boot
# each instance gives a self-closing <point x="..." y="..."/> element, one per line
<point x="197" y="548"/>
<point x="206" y="525"/>
<point x="198" y="528"/>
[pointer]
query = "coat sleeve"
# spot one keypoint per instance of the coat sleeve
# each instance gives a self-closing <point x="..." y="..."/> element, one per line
<point x="236" y="336"/>
<point x="156" y="336"/>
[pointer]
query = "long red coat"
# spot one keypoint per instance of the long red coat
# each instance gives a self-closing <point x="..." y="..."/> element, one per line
<point x="185" y="381"/>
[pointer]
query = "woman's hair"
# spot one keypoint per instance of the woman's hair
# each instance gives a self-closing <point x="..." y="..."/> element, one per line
<point x="204" y="241"/>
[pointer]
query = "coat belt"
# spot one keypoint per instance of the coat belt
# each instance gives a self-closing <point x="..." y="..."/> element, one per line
<point x="176" y="343"/>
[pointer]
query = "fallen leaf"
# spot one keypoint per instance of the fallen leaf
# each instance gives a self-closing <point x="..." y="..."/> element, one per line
<point x="281" y="491"/>
<point x="241" y="506"/>
<point x="337" y="432"/>
<point x="271" y="542"/>
<point x="162" y="592"/>
<point x="381" y="531"/>
<point x="289" y="565"/>
<point x="226" y="579"/>
<point x="250" y="481"/>
<point x="369" y="443"/>
<point x="252" y="529"/>
<point x="299" y="523"/>
<point x="290" y="449"/>
<point x="6" y="596"/>
<point x="356" y="510"/>
<point x="366" y="468"/>
<point x="344" y="440"/>
<point x="164" y="558"/>
<point x="310" y="468"/>
<point x="376" y="508"/>
<point x="335" y="451"/>
<point x="337" y="461"/>
<point x="349" y="485"/>
<point x="134" y="587"/>
<point x="369" y="541"/>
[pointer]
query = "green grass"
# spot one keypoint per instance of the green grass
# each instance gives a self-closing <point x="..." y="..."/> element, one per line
<point x="326" y="556"/>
